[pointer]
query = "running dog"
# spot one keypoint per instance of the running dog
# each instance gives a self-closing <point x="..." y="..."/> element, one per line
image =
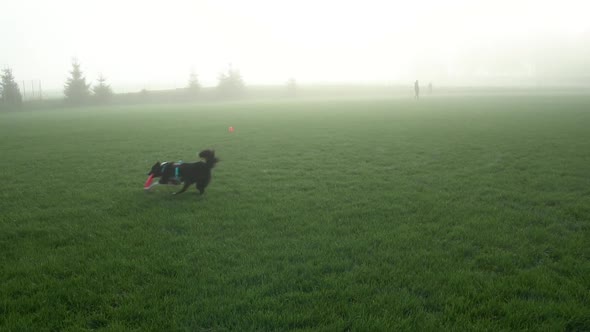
<point x="186" y="173"/>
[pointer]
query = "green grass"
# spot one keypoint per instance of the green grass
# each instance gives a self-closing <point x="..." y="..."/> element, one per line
<point x="445" y="214"/>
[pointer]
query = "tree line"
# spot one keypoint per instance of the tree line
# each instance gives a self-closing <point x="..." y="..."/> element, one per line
<point x="78" y="92"/>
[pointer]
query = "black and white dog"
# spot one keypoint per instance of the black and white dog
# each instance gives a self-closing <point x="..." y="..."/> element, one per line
<point x="186" y="173"/>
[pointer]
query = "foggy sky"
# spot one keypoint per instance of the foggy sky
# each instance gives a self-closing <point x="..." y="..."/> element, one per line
<point x="155" y="44"/>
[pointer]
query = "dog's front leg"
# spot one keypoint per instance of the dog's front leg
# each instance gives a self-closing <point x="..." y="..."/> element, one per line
<point x="186" y="184"/>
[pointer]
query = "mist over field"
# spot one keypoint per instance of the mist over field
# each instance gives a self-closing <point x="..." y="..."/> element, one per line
<point x="154" y="45"/>
<point x="298" y="165"/>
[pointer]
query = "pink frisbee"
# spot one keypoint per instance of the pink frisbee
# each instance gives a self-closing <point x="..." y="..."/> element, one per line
<point x="148" y="182"/>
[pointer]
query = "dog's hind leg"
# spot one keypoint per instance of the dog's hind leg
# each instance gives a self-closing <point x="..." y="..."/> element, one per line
<point x="186" y="185"/>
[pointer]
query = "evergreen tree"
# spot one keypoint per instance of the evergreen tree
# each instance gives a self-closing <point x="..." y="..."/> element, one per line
<point x="9" y="90"/>
<point x="76" y="90"/>
<point x="193" y="84"/>
<point x="102" y="91"/>
<point x="231" y="84"/>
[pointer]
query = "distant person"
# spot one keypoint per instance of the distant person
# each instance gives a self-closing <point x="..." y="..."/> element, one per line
<point x="430" y="88"/>
<point x="417" y="90"/>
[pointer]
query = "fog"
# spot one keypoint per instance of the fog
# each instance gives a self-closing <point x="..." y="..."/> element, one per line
<point x="155" y="44"/>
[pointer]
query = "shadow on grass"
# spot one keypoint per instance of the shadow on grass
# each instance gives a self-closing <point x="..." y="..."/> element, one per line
<point x="168" y="195"/>
<point x="138" y="202"/>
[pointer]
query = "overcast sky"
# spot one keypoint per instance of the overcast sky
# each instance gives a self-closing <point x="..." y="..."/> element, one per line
<point x="157" y="43"/>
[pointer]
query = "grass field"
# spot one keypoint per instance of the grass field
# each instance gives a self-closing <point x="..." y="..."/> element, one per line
<point x="463" y="213"/>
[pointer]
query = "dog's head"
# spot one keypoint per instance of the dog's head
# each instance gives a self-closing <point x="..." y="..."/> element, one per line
<point x="209" y="156"/>
<point x="156" y="170"/>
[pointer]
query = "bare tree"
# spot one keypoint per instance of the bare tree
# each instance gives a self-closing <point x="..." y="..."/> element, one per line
<point x="291" y="87"/>
<point x="194" y="86"/>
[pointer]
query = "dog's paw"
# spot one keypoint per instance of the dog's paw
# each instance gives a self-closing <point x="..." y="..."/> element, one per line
<point x="173" y="193"/>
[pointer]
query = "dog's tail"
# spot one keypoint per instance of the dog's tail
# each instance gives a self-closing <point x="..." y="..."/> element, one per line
<point x="209" y="156"/>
